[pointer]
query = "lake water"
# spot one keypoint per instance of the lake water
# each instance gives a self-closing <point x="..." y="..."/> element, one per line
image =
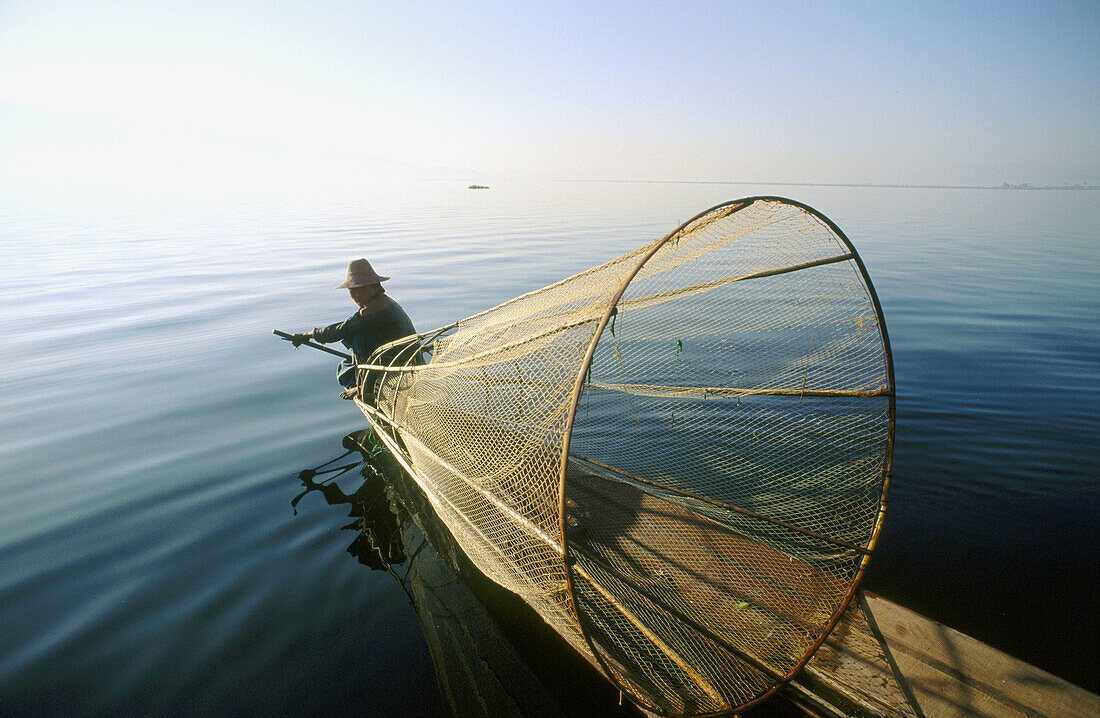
<point x="152" y="429"/>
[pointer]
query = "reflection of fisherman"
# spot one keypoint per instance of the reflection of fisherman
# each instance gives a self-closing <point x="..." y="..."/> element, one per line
<point x="379" y="320"/>
<point x="378" y="543"/>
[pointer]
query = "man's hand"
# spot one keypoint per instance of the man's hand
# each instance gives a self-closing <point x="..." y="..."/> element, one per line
<point x="302" y="338"/>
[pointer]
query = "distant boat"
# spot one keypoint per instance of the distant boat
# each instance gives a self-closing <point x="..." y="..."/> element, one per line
<point x="477" y="186"/>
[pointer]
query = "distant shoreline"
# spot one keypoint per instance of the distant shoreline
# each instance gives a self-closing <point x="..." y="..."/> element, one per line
<point x="1006" y="186"/>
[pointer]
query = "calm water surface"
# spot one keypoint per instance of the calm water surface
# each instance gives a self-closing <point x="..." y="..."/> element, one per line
<point x="152" y="428"/>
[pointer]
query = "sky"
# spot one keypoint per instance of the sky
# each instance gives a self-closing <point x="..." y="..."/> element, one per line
<point x="179" y="93"/>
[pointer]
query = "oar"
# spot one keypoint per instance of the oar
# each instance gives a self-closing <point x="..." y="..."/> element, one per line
<point x="290" y="338"/>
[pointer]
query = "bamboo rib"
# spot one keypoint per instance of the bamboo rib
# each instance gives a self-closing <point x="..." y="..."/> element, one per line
<point x="658" y="390"/>
<point x="652" y="299"/>
<point x="654" y="638"/>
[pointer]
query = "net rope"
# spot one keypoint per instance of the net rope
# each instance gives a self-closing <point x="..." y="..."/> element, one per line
<point x="678" y="458"/>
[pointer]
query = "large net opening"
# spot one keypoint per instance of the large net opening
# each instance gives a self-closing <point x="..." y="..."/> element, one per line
<point x="678" y="458"/>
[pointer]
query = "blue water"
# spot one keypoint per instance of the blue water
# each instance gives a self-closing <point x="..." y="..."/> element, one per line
<point x="152" y="428"/>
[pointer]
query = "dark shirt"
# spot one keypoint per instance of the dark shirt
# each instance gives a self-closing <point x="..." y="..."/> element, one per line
<point x="378" y="323"/>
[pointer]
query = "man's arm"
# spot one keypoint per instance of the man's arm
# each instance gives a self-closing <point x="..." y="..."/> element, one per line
<point x="326" y="335"/>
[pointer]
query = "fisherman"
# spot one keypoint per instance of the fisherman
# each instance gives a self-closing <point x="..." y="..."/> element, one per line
<point x="380" y="320"/>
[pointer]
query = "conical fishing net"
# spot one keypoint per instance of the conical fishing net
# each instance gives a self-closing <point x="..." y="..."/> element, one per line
<point x="678" y="458"/>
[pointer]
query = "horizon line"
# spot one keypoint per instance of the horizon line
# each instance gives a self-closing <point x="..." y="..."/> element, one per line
<point x="1003" y="186"/>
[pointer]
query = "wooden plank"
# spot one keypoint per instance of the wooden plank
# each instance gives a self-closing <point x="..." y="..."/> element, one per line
<point x="953" y="674"/>
<point x="852" y="672"/>
<point x="885" y="660"/>
<point x="707" y="561"/>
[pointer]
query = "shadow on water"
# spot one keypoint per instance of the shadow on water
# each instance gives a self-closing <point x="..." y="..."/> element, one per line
<point x="493" y="655"/>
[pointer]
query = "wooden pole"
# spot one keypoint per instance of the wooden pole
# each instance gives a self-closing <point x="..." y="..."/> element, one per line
<point x="314" y="345"/>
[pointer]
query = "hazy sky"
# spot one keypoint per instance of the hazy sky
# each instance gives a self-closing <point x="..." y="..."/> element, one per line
<point x="955" y="92"/>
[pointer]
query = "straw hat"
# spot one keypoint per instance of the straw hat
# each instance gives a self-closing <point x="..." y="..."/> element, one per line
<point x="361" y="274"/>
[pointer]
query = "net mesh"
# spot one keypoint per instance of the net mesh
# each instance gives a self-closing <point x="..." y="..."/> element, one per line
<point x="679" y="458"/>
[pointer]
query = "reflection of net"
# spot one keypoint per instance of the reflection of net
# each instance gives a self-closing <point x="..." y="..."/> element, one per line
<point x="728" y="450"/>
<point x="478" y="671"/>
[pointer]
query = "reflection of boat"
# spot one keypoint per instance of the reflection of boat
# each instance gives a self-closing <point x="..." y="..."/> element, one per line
<point x="493" y="655"/>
